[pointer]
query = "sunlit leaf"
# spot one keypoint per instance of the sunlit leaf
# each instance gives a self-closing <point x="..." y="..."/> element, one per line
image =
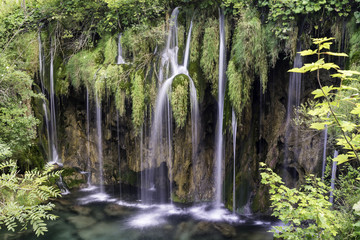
<point x="321" y="40"/>
<point x="349" y="73"/>
<point x="341" y="158"/>
<point x="356" y="110"/>
<point x="335" y="54"/>
<point x="319" y="125"/>
<point x="307" y="52"/>
<point x="322" y="93"/>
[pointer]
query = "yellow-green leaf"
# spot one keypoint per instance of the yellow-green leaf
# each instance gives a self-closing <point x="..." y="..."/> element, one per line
<point x="335" y="54"/>
<point x="307" y="52"/>
<point x="349" y="73"/>
<point x="356" y="110"/>
<point x="341" y="158"/>
<point x="319" y="125"/>
<point x="321" y="40"/>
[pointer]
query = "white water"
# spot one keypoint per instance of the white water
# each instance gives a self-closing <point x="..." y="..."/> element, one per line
<point x="118" y="149"/>
<point x="219" y="150"/>
<point x="162" y="137"/>
<point x="333" y="176"/>
<point x="324" y="153"/>
<point x="89" y="185"/>
<point x="120" y="59"/>
<point x="99" y="142"/>
<point x="43" y="90"/>
<point x="294" y="92"/>
<point x="234" y="128"/>
<point x="53" y="134"/>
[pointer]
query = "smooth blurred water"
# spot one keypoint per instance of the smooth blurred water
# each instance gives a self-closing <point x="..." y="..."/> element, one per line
<point x="110" y="218"/>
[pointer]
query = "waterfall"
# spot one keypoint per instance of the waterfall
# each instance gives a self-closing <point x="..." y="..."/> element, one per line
<point x="43" y="90"/>
<point x="88" y="139"/>
<point x="294" y="92"/>
<point x="120" y="59"/>
<point x="219" y="151"/>
<point x="161" y="129"/>
<point x="234" y="128"/>
<point x="118" y="149"/>
<point x="324" y="153"/>
<point x="53" y="134"/>
<point x="99" y="142"/>
<point x="333" y="176"/>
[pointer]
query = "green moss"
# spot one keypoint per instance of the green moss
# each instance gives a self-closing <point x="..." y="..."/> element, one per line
<point x="179" y="99"/>
<point x="209" y="61"/>
<point x="81" y="68"/>
<point x="254" y="50"/>
<point x="138" y="99"/>
<point x="354" y="54"/>
<point x="24" y="51"/>
<point x="110" y="50"/>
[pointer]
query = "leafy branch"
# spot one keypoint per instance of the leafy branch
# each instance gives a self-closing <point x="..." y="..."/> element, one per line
<point x="346" y="127"/>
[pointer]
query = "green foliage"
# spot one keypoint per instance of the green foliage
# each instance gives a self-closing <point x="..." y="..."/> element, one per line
<point x="22" y="196"/>
<point x="306" y="212"/>
<point x="209" y="61"/>
<point x="81" y="69"/>
<point x="140" y="41"/>
<point x="179" y="99"/>
<point x="138" y="99"/>
<point x="253" y="45"/>
<point x="334" y="98"/>
<point x="17" y="124"/>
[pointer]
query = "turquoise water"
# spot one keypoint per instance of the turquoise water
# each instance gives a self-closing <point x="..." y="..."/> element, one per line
<point x="87" y="216"/>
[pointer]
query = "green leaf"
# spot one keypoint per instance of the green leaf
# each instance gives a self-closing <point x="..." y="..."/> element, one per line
<point x="341" y="158"/>
<point x="319" y="125"/>
<point x="335" y="54"/>
<point x="321" y="40"/>
<point x="307" y="52"/>
<point x="322" y="93"/>
<point x="356" y="110"/>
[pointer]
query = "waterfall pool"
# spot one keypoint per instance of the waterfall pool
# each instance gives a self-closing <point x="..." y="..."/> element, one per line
<point x="109" y="218"/>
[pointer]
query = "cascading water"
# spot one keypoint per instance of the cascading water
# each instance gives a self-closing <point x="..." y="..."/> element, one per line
<point x="333" y="176"/>
<point x="118" y="149"/>
<point x="294" y="92"/>
<point x="324" y="153"/>
<point x="99" y="142"/>
<point x="43" y="90"/>
<point x="234" y="128"/>
<point x="162" y="137"/>
<point x="120" y="59"/>
<point x="219" y="150"/>
<point x="88" y="170"/>
<point x="53" y="134"/>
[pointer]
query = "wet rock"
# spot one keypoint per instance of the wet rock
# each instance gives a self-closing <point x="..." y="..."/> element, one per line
<point x="115" y="210"/>
<point x="63" y="202"/>
<point x="81" y="210"/>
<point x="225" y="229"/>
<point x="202" y="228"/>
<point x="81" y="222"/>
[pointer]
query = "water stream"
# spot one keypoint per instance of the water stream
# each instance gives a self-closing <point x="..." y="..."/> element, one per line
<point x="161" y="143"/>
<point x="234" y="128"/>
<point x="294" y="94"/>
<point x="53" y="133"/>
<point x="120" y="59"/>
<point x="219" y="148"/>
<point x="333" y="176"/>
<point x="43" y="90"/>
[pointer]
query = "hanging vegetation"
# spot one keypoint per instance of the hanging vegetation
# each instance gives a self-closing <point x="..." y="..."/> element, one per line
<point x="209" y="61"/>
<point x="179" y="99"/>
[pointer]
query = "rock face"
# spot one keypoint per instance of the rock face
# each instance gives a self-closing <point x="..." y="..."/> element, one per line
<point x="260" y="137"/>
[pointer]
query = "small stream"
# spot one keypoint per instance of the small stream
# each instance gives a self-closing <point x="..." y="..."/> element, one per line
<point x="82" y="217"/>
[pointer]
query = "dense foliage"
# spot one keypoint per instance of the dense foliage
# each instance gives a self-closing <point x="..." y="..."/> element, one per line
<point x="21" y="198"/>
<point x="305" y="212"/>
